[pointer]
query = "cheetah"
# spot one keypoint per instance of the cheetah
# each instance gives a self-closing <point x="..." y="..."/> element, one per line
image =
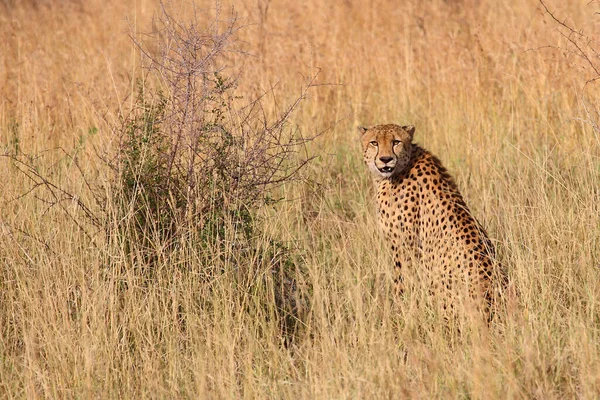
<point x="426" y="221"/>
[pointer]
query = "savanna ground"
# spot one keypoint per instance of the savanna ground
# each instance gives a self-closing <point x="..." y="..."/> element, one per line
<point x="495" y="89"/>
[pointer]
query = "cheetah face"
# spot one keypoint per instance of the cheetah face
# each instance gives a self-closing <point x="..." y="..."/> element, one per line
<point x="386" y="148"/>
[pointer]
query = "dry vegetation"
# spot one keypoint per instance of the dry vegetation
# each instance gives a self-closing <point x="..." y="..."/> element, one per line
<point x="496" y="88"/>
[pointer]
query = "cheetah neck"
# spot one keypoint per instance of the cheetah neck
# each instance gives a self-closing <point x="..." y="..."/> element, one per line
<point x="419" y="157"/>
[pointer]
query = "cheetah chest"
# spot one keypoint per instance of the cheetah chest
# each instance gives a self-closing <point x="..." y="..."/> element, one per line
<point x="399" y="209"/>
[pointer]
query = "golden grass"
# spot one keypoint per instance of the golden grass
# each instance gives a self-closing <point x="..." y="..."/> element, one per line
<point x="502" y="111"/>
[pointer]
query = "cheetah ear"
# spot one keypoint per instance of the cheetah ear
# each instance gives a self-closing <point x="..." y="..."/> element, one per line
<point x="362" y="130"/>
<point x="410" y="130"/>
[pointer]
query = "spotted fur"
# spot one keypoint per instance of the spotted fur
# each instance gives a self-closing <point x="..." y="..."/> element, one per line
<point x="426" y="221"/>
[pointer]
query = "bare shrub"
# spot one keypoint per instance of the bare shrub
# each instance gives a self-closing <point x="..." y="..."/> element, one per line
<point x="191" y="155"/>
<point x="195" y="161"/>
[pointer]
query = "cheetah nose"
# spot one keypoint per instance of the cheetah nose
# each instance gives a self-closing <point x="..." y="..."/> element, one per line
<point x="386" y="159"/>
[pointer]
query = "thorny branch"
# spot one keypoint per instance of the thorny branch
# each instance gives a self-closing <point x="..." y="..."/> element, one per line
<point x="582" y="43"/>
<point x="583" y="48"/>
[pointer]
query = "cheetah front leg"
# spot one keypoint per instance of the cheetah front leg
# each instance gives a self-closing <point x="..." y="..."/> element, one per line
<point x="398" y="277"/>
<point x="404" y="255"/>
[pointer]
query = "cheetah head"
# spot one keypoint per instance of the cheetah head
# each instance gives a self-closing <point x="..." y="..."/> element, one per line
<point x="386" y="148"/>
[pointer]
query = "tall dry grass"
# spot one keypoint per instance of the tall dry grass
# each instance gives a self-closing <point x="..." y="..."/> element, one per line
<point x="493" y="88"/>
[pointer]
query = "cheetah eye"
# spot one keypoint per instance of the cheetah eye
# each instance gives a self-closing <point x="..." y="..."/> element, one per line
<point x="373" y="143"/>
<point x="395" y="142"/>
